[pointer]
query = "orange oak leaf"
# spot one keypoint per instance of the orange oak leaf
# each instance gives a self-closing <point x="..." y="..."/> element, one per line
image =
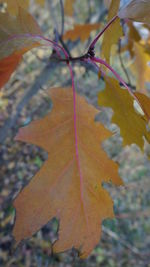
<point x="68" y="7"/>
<point x="137" y="10"/>
<point x="17" y="36"/>
<point x="69" y="185"/>
<point x="131" y="123"/>
<point x="113" y="33"/>
<point x="81" y="31"/>
<point x="7" y="67"/>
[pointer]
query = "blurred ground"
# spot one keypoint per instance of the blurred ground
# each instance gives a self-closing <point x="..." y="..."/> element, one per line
<point x="125" y="239"/>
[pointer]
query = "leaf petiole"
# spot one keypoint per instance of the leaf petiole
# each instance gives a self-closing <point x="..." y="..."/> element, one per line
<point x="103" y="62"/>
<point x="92" y="45"/>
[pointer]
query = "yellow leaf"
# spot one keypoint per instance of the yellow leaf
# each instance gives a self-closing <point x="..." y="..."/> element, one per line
<point x="132" y="37"/>
<point x="141" y="66"/>
<point x="113" y="33"/>
<point x="69" y="185"/>
<point x="132" y="125"/>
<point x="144" y="102"/>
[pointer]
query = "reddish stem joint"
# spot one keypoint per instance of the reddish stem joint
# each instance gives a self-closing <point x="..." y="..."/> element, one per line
<point x="91" y="52"/>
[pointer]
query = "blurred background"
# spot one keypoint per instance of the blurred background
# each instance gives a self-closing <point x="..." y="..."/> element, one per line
<point x="126" y="239"/>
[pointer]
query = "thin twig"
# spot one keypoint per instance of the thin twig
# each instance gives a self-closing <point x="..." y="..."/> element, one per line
<point x="123" y="242"/>
<point x="119" y="78"/>
<point x="89" y="11"/>
<point x="42" y="79"/>
<point x="64" y="45"/>
<point x="62" y="17"/>
<point x="121" y="62"/>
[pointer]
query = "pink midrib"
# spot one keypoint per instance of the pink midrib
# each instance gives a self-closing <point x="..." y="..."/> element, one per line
<point x="76" y="144"/>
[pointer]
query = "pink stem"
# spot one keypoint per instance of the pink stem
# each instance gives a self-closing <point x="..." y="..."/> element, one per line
<point x="103" y="62"/>
<point x="92" y="45"/>
<point x="57" y="45"/>
<point x="74" y="103"/>
<point x="95" y="65"/>
<point x="29" y="35"/>
<point x="74" y="100"/>
<point x="76" y="143"/>
<point x="74" y="111"/>
<point x="75" y="130"/>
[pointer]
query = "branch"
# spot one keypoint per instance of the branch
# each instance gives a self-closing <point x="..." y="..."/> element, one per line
<point x="42" y="79"/>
